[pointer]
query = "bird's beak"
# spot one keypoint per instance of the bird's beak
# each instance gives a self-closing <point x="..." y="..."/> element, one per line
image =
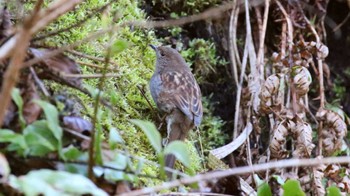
<point x="153" y="47"/>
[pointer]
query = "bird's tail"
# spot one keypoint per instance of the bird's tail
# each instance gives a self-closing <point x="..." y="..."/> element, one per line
<point x="179" y="129"/>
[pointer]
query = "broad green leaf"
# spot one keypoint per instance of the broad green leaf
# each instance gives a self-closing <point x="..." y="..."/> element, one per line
<point x="7" y="135"/>
<point x="39" y="138"/>
<point x="118" y="46"/>
<point x="151" y="132"/>
<point x="17" y="98"/>
<point x="257" y="179"/>
<point x="72" y="153"/>
<point x="17" y="141"/>
<point x="179" y="150"/>
<point x="278" y="179"/>
<point x="114" y="137"/>
<point x="51" y="114"/>
<point x="333" y="191"/>
<point x="120" y="163"/>
<point x="113" y="175"/>
<point x="50" y="182"/>
<point x="292" y="188"/>
<point x="264" y="189"/>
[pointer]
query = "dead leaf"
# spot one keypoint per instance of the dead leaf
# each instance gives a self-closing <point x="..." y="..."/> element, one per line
<point x="52" y="67"/>
<point x="277" y="145"/>
<point x="78" y="124"/>
<point x="31" y="111"/>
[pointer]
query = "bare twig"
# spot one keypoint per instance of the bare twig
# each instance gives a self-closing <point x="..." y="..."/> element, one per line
<point x="342" y="23"/>
<point x="94" y="119"/>
<point x="74" y="52"/>
<point x="239" y="92"/>
<point x="144" y="96"/>
<point x="232" y="32"/>
<point x="88" y="76"/>
<point x="94" y="66"/>
<point x="12" y="73"/>
<point x="241" y="170"/>
<point x="260" y="58"/>
<point x="39" y="82"/>
<point x="321" y="84"/>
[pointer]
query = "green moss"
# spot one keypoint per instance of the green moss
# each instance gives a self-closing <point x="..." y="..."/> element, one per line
<point x="135" y="67"/>
<point x="184" y="8"/>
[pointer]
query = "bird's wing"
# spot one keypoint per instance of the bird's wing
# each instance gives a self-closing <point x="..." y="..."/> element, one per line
<point x="182" y="90"/>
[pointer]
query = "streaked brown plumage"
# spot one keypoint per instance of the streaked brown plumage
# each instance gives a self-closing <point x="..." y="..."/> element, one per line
<point x="176" y="92"/>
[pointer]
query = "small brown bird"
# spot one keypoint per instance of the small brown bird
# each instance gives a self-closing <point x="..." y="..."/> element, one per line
<point x="176" y="92"/>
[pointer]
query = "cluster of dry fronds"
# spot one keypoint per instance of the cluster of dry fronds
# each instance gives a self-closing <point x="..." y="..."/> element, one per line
<point x="273" y="96"/>
<point x="272" y="92"/>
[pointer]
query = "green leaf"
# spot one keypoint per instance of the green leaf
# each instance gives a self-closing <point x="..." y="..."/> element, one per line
<point x="151" y="132"/>
<point x="7" y="135"/>
<point x="40" y="139"/>
<point x="17" y="98"/>
<point x="333" y="191"/>
<point x="51" y="114"/>
<point x="49" y="182"/>
<point x="264" y="189"/>
<point x="114" y="138"/>
<point x="292" y="188"/>
<point x="279" y="179"/>
<point x="179" y="150"/>
<point x="72" y="153"/>
<point x="17" y="141"/>
<point x="98" y="143"/>
<point x="118" y="46"/>
<point x="120" y="162"/>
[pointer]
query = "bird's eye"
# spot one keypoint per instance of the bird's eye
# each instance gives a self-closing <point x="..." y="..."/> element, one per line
<point x="161" y="53"/>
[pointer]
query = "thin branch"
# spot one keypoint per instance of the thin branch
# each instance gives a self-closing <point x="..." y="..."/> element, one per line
<point x="94" y="66"/>
<point x="321" y="84"/>
<point x="260" y="58"/>
<point x="239" y="91"/>
<point x="144" y="96"/>
<point x="94" y="119"/>
<point x="342" y="23"/>
<point x="232" y="31"/>
<point x="88" y="76"/>
<point x="39" y="82"/>
<point x="240" y="171"/>
<point x="74" y="52"/>
<point x="13" y="71"/>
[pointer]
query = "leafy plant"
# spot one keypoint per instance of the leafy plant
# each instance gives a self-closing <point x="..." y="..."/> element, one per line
<point x="177" y="148"/>
<point x="49" y="182"/>
<point x="292" y="188"/>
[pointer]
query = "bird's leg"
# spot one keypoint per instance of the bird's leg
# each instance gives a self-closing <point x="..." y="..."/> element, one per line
<point x="161" y="121"/>
<point x="169" y="121"/>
